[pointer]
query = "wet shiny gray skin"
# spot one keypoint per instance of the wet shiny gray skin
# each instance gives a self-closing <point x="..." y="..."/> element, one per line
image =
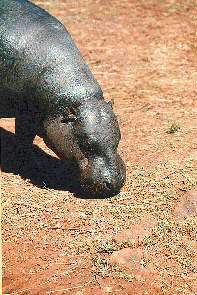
<point x="46" y="84"/>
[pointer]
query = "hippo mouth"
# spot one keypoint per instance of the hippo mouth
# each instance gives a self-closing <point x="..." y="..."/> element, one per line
<point x="101" y="180"/>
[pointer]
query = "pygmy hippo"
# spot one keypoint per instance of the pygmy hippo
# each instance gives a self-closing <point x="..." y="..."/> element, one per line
<point x="48" y="87"/>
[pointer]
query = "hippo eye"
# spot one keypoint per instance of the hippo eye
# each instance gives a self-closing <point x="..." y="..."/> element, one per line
<point x="69" y="115"/>
<point x="68" y="119"/>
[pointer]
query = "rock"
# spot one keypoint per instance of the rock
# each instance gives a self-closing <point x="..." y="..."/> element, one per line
<point x="133" y="261"/>
<point x="137" y="231"/>
<point x="187" y="206"/>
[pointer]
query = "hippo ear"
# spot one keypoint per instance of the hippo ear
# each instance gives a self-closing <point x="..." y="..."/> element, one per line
<point x="111" y="103"/>
<point x="69" y="115"/>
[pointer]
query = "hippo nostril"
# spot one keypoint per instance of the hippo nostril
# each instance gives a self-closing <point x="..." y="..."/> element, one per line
<point x="108" y="185"/>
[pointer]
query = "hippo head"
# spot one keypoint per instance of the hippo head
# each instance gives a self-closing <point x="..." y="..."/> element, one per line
<point x="89" y="135"/>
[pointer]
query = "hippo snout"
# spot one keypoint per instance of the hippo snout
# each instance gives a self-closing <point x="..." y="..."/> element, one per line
<point x="103" y="177"/>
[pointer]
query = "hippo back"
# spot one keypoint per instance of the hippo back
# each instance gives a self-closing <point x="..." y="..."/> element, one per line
<point x="39" y="59"/>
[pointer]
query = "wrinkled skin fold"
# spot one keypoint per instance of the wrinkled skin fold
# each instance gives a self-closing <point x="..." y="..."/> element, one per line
<point x="46" y="84"/>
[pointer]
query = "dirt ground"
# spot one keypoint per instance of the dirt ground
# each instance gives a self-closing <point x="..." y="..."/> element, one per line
<point x="143" y="241"/>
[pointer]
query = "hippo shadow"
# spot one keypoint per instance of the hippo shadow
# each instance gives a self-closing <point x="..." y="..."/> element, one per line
<point x="43" y="170"/>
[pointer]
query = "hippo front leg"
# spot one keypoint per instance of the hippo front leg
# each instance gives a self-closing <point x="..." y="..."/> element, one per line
<point x="25" y="132"/>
